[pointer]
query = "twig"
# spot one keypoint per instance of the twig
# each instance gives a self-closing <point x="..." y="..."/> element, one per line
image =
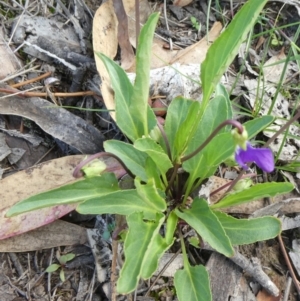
<point x="287" y="289"/>
<point x="45" y="94"/>
<point x="161" y="272"/>
<point x="252" y="268"/>
<point x="288" y="263"/>
<point x="31" y="80"/>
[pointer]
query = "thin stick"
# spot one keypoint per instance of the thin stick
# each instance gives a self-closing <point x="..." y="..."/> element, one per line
<point x="288" y="263"/>
<point x="31" y="80"/>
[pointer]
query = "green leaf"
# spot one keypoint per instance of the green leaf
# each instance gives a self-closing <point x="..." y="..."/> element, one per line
<point x="62" y="275"/>
<point x="123" y="89"/>
<point x="187" y="129"/>
<point x="133" y="158"/>
<point x="144" y="115"/>
<point x="65" y="258"/>
<point x="53" y="267"/>
<point x="255" y="192"/>
<point x="72" y="193"/>
<point x="257" y="125"/>
<point x="171" y="226"/>
<point x="204" y="221"/>
<point x="123" y="202"/>
<point x="138" y="244"/>
<point x="153" y="172"/>
<point x="177" y="112"/>
<point x="204" y="164"/>
<point x="151" y="195"/>
<point x="222" y="52"/>
<point x="192" y="284"/>
<point x="155" y="152"/>
<point x="248" y="231"/>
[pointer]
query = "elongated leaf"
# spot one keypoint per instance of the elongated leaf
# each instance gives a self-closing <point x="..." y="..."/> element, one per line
<point x="217" y="111"/>
<point x="139" y="101"/>
<point x="255" y="192"/>
<point x="177" y="112"/>
<point x="204" y="164"/>
<point x="171" y="226"/>
<point x="225" y="48"/>
<point x="155" y="152"/>
<point x="152" y="172"/>
<point x="156" y="249"/>
<point x="76" y="192"/>
<point x="53" y="267"/>
<point x="137" y="242"/>
<point x="186" y="131"/>
<point x="123" y="202"/>
<point x="205" y="222"/>
<point x="151" y="195"/>
<point x="248" y="231"/>
<point x="133" y="158"/>
<point x="123" y="92"/>
<point x="192" y="284"/>
<point x="257" y="125"/>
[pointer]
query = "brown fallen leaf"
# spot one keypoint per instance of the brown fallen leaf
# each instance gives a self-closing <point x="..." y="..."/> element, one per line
<point x="127" y="54"/>
<point x="8" y="61"/>
<point x="105" y="40"/>
<point x="42" y="177"/>
<point x="56" y="121"/>
<point x="272" y="69"/>
<point x="264" y="296"/>
<point x="182" y="3"/>
<point x="58" y="233"/>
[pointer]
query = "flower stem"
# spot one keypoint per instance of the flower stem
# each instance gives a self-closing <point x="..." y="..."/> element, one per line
<point x="282" y="129"/>
<point x="232" y="122"/>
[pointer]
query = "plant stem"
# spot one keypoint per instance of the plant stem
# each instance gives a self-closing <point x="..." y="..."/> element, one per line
<point x="176" y="167"/>
<point x="184" y="255"/>
<point x="282" y="129"/>
<point x="232" y="122"/>
<point x="165" y="138"/>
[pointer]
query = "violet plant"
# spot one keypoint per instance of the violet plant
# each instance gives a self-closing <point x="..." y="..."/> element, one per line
<point x="169" y="163"/>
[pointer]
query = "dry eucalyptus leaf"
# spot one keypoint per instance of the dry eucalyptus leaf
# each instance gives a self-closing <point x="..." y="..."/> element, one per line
<point x="58" y="233"/>
<point x="105" y="33"/>
<point x="182" y="3"/>
<point x="145" y="12"/>
<point x="23" y="184"/>
<point x="127" y="54"/>
<point x="4" y="148"/>
<point x="105" y="40"/>
<point x="8" y="61"/>
<point x="56" y="121"/>
<point x="196" y="53"/>
<point x="273" y="71"/>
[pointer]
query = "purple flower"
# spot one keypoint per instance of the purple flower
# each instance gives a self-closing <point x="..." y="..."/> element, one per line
<point x="262" y="157"/>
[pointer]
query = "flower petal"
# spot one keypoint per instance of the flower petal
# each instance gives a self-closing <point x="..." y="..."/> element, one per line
<point x="263" y="157"/>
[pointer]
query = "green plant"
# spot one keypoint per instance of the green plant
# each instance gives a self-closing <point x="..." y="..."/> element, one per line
<point x="62" y="263"/>
<point x="195" y="23"/>
<point x="168" y="164"/>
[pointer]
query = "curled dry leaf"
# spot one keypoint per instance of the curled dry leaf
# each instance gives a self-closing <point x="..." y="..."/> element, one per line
<point x="58" y="233"/>
<point x="56" y="121"/>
